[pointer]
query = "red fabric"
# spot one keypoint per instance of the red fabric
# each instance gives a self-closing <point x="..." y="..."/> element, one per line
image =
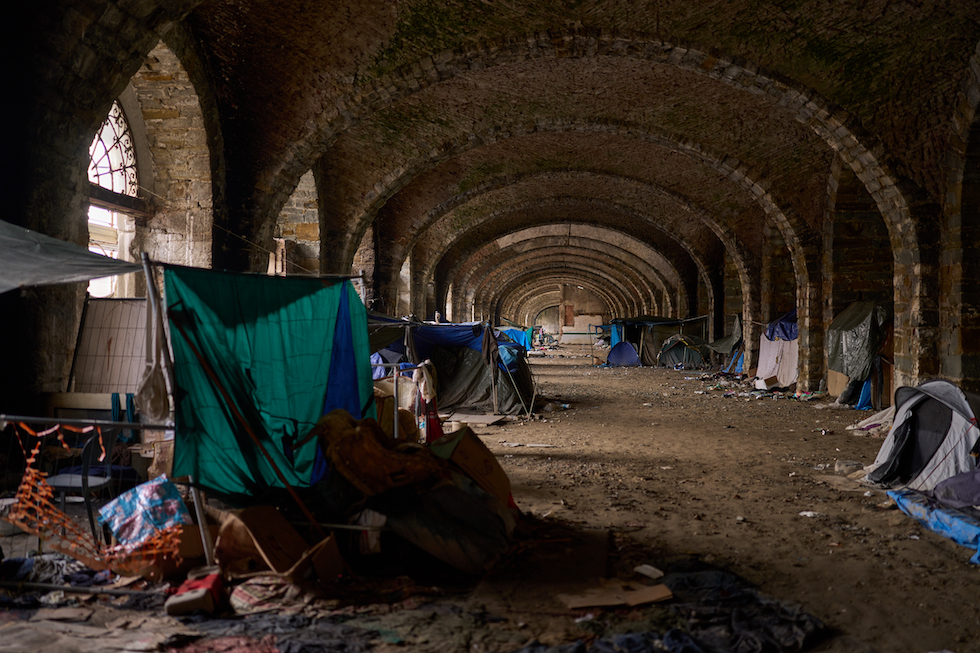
<point x="433" y="426"/>
<point x="211" y="583"/>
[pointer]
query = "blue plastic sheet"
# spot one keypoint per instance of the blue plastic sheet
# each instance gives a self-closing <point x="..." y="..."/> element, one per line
<point x="953" y="524"/>
<point x="144" y="511"/>
<point x="785" y="328"/>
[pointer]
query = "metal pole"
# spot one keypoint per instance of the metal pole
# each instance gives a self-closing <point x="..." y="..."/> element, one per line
<point x="202" y="522"/>
<point x="394" y="415"/>
<point x="67" y="421"/>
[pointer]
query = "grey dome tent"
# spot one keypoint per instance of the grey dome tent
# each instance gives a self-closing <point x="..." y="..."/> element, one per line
<point x="934" y="437"/>
<point x="689" y="351"/>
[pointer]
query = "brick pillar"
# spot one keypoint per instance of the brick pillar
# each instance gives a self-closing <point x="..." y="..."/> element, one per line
<point x="960" y="291"/>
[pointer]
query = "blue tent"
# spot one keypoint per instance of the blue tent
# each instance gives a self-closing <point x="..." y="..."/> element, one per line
<point x="623" y="355"/>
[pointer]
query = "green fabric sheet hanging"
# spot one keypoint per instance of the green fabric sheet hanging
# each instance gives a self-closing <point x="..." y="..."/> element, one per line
<point x="258" y="350"/>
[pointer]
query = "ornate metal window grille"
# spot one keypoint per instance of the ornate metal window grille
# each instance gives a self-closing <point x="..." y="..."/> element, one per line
<point x="112" y="157"/>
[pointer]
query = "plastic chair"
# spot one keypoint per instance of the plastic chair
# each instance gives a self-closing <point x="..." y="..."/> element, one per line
<point x="86" y="482"/>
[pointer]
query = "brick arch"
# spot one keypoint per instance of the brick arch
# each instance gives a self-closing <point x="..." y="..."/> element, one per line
<point x="803" y="244"/>
<point x="517" y="301"/>
<point x="638" y="291"/>
<point x="728" y="238"/>
<point x="745" y="263"/>
<point x="465" y="299"/>
<point x="453" y="240"/>
<point x="472" y="264"/>
<point x="837" y="127"/>
<point x="542" y="303"/>
<point x="959" y="346"/>
<point x="906" y="212"/>
<point x="633" y="278"/>
<point x="594" y="281"/>
<point x="492" y="291"/>
<point x="727" y="166"/>
<point x="177" y="124"/>
<point x="519" y="304"/>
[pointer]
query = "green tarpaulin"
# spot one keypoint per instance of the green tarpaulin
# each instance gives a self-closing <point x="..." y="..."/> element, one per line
<point x="270" y="354"/>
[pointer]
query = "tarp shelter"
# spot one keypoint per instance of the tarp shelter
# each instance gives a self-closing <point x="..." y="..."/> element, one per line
<point x="855" y="340"/>
<point x="648" y="333"/>
<point x="33" y="259"/>
<point x="730" y="343"/>
<point x="730" y="346"/>
<point x="779" y="353"/>
<point x="855" y="337"/>
<point x="934" y="437"/>
<point x="691" y="352"/>
<point x="623" y="355"/>
<point x="270" y="355"/>
<point x="520" y="336"/>
<point x="472" y="363"/>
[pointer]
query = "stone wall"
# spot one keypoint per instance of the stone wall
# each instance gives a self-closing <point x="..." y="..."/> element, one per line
<point x="299" y="225"/>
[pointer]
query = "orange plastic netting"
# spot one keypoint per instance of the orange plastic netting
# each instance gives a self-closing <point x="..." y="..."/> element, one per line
<point x="36" y="512"/>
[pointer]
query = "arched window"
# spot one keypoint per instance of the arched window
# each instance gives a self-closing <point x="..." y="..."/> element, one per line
<point x="112" y="166"/>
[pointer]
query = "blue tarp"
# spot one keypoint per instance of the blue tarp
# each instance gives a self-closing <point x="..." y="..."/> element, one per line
<point x="617" y="335"/>
<point x="785" y="328"/>
<point x="736" y="363"/>
<point x="519" y="336"/>
<point x="425" y="337"/>
<point x="956" y="525"/>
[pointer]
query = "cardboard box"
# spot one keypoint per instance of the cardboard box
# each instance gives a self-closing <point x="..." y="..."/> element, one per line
<point x="836" y="382"/>
<point x="767" y="384"/>
<point x="467" y="451"/>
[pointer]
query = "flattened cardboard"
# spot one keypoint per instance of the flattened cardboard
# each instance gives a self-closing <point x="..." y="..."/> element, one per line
<point x="465" y="449"/>
<point x="615" y="593"/>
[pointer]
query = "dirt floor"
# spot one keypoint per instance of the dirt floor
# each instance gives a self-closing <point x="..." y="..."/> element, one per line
<point x="634" y="466"/>
<point x="676" y="470"/>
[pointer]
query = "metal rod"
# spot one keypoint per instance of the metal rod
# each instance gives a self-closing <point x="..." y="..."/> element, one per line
<point x="397" y="367"/>
<point x="71" y="589"/>
<point x="394" y="412"/>
<point x="85" y="422"/>
<point x="344" y="527"/>
<point x="202" y="523"/>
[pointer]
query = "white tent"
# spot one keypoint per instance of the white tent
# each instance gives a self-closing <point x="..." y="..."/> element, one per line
<point x="934" y="437"/>
<point x="777" y="359"/>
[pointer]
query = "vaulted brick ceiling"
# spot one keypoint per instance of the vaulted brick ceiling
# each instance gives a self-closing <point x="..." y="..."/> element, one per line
<point x="448" y="127"/>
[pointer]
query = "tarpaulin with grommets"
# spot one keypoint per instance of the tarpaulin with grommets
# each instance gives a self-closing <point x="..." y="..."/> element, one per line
<point x="270" y="355"/>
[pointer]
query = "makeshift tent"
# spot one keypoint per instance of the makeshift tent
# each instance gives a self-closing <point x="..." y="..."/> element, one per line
<point x="33" y="259"/>
<point x="691" y="352"/>
<point x="623" y="355"/>
<point x="648" y="333"/>
<point x="933" y="438"/>
<point x="779" y="353"/>
<point x="257" y="361"/>
<point x="730" y="343"/>
<point x="477" y="369"/>
<point x="520" y="336"/>
<point x="731" y="346"/>
<point x="854" y="342"/>
<point x="855" y="337"/>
